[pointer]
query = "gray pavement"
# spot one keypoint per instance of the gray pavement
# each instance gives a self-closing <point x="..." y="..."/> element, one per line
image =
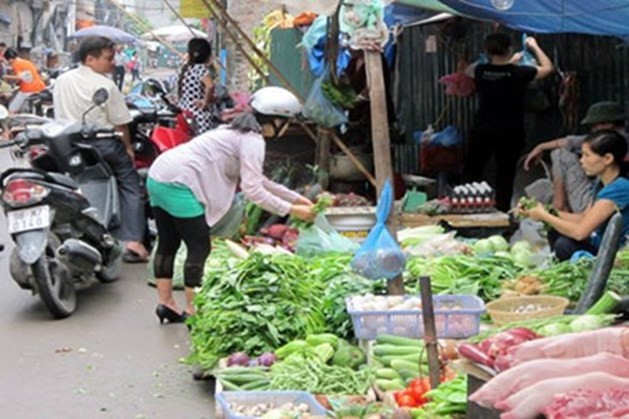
<point x="110" y="359"/>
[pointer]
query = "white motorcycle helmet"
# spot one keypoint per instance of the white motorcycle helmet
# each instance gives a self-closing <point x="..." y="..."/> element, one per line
<point x="275" y="101"/>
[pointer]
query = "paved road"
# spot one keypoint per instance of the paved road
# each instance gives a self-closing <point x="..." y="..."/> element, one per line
<point x="111" y="359"/>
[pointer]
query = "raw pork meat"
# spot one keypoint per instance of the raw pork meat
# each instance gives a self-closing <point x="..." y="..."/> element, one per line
<point x="529" y="402"/>
<point x="588" y="404"/>
<point x="532" y="372"/>
<point x="573" y="345"/>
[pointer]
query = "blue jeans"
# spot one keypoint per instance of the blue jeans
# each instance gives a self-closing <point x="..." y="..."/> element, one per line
<point x="564" y="247"/>
<point x="132" y="217"/>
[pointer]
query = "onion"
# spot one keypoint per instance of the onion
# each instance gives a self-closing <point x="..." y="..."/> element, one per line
<point x="267" y="359"/>
<point x="239" y="359"/>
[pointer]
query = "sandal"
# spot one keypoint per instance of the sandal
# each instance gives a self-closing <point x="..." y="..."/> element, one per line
<point x="130" y="256"/>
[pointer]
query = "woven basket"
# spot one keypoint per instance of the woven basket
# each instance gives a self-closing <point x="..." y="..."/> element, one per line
<point x="503" y="311"/>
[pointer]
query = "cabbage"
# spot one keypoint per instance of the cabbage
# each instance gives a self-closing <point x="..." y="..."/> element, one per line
<point x="503" y="254"/>
<point x="499" y="243"/>
<point x="523" y="258"/>
<point x="554" y="329"/>
<point x="483" y="247"/>
<point x="586" y="322"/>
<point x="520" y="245"/>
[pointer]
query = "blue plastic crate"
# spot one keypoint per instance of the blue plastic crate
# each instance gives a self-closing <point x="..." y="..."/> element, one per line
<point x="276" y="398"/>
<point x="453" y="323"/>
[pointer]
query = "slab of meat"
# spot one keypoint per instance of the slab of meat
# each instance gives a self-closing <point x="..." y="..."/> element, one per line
<point x="529" y="402"/>
<point x="529" y="373"/>
<point x="589" y="404"/>
<point x="613" y="340"/>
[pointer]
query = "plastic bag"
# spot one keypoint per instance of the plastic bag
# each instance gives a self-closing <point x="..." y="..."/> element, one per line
<point x="321" y="237"/>
<point x="229" y="224"/>
<point x="318" y="107"/>
<point x="448" y="137"/>
<point x="527" y="57"/>
<point x="380" y="256"/>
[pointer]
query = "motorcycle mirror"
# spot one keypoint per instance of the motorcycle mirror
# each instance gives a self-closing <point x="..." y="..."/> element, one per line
<point x="155" y="86"/>
<point x="4" y="113"/>
<point x="100" y="96"/>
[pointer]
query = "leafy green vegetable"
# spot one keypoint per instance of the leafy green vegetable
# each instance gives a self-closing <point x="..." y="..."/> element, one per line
<point x="311" y="374"/>
<point x="344" y="95"/>
<point x="462" y="274"/>
<point x="254" y="306"/>
<point x="323" y="202"/>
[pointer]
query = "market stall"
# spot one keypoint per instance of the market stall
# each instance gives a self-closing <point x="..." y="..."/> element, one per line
<point x="300" y="320"/>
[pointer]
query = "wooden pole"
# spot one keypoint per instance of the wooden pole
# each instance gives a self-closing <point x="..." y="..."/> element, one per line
<point x="380" y="141"/>
<point x="323" y="157"/>
<point x="430" y="332"/>
<point x="283" y="79"/>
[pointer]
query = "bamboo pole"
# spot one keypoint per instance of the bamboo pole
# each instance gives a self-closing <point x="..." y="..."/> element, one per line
<point x="430" y="332"/>
<point x="339" y="143"/>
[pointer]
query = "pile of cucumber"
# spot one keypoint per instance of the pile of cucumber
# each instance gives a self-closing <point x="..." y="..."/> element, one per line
<point x="398" y="360"/>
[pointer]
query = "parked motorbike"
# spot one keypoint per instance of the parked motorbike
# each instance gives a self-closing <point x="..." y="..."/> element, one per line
<point x="60" y="211"/>
<point x="158" y="125"/>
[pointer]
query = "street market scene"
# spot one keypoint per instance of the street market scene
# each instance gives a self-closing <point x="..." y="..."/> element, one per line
<point x="314" y="209"/>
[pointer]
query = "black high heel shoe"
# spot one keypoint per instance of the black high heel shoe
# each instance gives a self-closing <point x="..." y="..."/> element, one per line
<point x="165" y="312"/>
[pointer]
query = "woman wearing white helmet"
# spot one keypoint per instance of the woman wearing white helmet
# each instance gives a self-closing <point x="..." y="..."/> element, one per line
<point x="192" y="186"/>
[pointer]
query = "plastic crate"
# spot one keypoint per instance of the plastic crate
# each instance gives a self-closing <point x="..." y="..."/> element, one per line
<point x="452" y="323"/>
<point x="276" y="398"/>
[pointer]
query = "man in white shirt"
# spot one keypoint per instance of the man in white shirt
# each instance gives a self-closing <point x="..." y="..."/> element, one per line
<point x="72" y="97"/>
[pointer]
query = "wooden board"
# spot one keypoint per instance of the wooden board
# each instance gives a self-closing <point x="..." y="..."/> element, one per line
<point x="491" y="219"/>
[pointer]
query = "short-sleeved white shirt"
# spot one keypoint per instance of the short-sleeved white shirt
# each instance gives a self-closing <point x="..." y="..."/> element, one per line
<point x="72" y="96"/>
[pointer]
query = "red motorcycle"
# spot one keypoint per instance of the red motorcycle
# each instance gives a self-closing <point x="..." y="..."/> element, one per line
<point x="157" y="125"/>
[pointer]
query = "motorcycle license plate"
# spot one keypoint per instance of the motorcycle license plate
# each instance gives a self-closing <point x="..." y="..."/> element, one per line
<point x="28" y="219"/>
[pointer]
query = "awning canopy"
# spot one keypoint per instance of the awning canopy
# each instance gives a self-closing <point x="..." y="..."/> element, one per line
<point x="609" y="17"/>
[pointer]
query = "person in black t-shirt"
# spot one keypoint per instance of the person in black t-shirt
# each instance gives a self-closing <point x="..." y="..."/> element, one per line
<point x="499" y="125"/>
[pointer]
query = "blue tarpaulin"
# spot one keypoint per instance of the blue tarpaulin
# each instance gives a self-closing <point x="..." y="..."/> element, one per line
<point x="594" y="17"/>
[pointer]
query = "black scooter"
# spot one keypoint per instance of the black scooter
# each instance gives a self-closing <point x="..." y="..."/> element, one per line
<point x="60" y="211"/>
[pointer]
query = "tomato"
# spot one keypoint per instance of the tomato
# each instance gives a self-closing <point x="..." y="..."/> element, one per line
<point x="406" y="400"/>
<point x="420" y="385"/>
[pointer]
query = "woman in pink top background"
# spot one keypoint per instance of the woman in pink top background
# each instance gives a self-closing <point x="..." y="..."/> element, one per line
<point x="192" y="186"/>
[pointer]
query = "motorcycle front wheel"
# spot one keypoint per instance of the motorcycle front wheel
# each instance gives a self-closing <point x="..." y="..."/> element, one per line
<point x="54" y="284"/>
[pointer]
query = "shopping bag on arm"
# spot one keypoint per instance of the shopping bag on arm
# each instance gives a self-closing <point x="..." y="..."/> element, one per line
<point x="380" y="256"/>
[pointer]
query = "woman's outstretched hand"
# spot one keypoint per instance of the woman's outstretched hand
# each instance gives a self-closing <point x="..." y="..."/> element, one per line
<point x="303" y="212"/>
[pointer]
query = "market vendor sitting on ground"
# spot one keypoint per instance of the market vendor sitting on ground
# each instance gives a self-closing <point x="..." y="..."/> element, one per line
<point x="603" y="155"/>
<point x="572" y="188"/>
<point x="191" y="187"/>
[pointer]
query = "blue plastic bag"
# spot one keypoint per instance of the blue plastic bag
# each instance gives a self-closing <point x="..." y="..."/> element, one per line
<point x="527" y="57"/>
<point x="380" y="256"/>
<point x="318" y="108"/>
<point x="448" y="137"/>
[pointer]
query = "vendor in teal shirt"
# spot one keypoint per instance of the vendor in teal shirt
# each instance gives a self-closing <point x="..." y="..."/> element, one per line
<point x="603" y="155"/>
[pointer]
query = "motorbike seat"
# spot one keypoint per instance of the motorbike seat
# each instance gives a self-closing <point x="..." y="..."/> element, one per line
<point x="45" y="96"/>
<point x="63" y="180"/>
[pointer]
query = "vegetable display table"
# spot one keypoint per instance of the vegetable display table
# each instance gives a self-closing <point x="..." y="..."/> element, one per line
<point x="459" y="221"/>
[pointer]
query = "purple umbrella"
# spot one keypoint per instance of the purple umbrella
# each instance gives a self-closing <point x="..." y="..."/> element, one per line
<point x="117" y="35"/>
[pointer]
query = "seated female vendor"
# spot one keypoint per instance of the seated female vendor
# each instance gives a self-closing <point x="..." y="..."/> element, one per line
<point x="603" y="154"/>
